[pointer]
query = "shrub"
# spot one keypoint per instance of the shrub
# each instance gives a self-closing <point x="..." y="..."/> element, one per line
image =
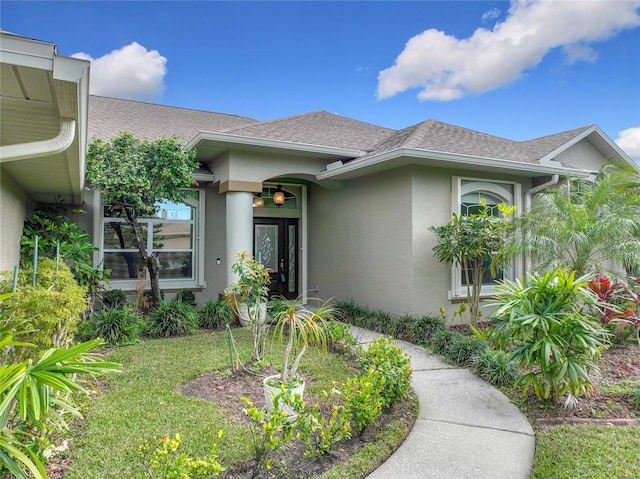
<point x="545" y="323"/>
<point x="162" y="460"/>
<point x="440" y="341"/>
<point x="320" y="429"/>
<point x="276" y="306"/>
<point x="51" y="310"/>
<point x="390" y="362"/>
<point x="496" y="367"/>
<point x="339" y="337"/>
<point x="463" y="350"/>
<point x="172" y="318"/>
<point x="363" y="399"/>
<point x="115" y="326"/>
<point x="187" y="296"/>
<point x="114" y="298"/>
<point x="215" y="315"/>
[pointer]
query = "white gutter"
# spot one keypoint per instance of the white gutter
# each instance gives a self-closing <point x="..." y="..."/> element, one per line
<point x="431" y="157"/>
<point x="58" y="144"/>
<point x="532" y="191"/>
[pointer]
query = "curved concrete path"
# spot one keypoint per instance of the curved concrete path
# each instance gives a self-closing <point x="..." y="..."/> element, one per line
<point x="466" y="428"/>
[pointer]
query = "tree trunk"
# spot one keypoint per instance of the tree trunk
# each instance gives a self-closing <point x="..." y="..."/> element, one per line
<point x="152" y="262"/>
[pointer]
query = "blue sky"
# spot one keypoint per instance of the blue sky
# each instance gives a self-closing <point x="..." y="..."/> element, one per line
<point x="518" y="70"/>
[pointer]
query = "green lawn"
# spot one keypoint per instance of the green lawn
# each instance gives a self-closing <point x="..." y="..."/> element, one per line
<point x="142" y="403"/>
<point x="586" y="451"/>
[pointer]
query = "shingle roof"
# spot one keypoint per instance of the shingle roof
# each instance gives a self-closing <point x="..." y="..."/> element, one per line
<point x="109" y="116"/>
<point x="318" y="128"/>
<point x="432" y="135"/>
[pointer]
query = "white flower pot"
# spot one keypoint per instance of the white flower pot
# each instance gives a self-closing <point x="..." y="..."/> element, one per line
<point x="258" y="312"/>
<point x="270" y="392"/>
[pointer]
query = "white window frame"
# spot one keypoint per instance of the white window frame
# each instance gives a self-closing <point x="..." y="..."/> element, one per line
<point x="511" y="195"/>
<point x="198" y="245"/>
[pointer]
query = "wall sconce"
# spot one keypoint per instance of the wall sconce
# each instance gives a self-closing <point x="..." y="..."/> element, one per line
<point x="258" y="201"/>
<point x="278" y="196"/>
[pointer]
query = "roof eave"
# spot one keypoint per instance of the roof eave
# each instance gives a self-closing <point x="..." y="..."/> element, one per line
<point x="227" y="140"/>
<point x="412" y="156"/>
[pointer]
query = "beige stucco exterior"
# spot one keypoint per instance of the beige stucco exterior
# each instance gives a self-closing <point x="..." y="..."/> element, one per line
<point x="14" y="205"/>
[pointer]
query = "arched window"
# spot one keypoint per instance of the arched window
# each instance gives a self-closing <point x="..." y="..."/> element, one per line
<point x="467" y="196"/>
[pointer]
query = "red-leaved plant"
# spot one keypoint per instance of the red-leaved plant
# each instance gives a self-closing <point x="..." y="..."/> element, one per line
<point x="620" y="302"/>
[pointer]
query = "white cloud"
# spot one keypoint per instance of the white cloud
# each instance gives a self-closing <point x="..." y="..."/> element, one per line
<point x="447" y="68"/>
<point x="131" y="72"/>
<point x="490" y="14"/>
<point x="629" y="141"/>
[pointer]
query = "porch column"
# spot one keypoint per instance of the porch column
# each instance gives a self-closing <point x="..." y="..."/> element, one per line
<point x="239" y="226"/>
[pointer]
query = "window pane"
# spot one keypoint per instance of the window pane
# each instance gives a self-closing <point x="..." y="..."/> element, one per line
<point x="170" y="210"/>
<point x="123" y="265"/>
<point x="175" y="265"/>
<point x="120" y="236"/>
<point x="471" y="203"/>
<point x="172" y="235"/>
<point x="266" y="245"/>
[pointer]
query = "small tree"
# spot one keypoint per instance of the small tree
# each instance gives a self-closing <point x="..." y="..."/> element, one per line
<point x="583" y="225"/>
<point x="133" y="175"/>
<point x="470" y="243"/>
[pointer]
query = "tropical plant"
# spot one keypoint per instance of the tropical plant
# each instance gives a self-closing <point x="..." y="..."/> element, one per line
<point x="114" y="298"/>
<point x="215" y="314"/>
<point x="302" y="327"/>
<point x="172" y="318"/>
<point x="59" y="235"/>
<point x="115" y="326"/>
<point x="547" y="324"/>
<point x="49" y="311"/>
<point x="36" y="397"/>
<point x="187" y="296"/>
<point x="583" y="225"/>
<point x="472" y="243"/>
<point x="134" y="175"/>
<point x="620" y="308"/>
<point x="496" y="367"/>
<point x="251" y="289"/>
<point x="464" y="350"/>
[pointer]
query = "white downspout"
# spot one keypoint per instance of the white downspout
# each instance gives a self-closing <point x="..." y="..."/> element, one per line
<point x="58" y="144"/>
<point x="527" y="207"/>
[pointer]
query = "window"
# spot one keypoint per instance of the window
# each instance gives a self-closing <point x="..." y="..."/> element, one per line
<point x="170" y="233"/>
<point x="467" y="196"/>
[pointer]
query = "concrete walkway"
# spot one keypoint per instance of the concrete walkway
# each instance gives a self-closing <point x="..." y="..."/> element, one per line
<point x="466" y="428"/>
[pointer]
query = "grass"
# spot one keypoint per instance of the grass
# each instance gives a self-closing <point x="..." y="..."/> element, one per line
<point x="142" y="403"/>
<point x="567" y="452"/>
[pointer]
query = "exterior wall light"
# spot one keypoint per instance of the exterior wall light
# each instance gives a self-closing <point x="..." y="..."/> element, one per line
<point x="258" y="201"/>
<point x="278" y="196"/>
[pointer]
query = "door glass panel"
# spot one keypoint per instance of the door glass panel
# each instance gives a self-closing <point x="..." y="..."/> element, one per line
<point x="292" y="259"/>
<point x="266" y="241"/>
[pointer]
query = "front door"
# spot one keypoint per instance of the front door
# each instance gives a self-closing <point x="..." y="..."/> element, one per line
<point x="275" y="245"/>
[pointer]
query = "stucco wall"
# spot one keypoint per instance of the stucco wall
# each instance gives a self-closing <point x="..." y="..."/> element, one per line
<point x="14" y="205"/>
<point x="360" y="241"/>
<point x="215" y="274"/>
<point x="582" y="155"/>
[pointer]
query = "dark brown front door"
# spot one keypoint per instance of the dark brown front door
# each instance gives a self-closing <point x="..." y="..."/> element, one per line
<point x="275" y="245"/>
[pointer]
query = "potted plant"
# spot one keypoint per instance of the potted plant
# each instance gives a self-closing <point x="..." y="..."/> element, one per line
<point x="301" y="326"/>
<point x="248" y="297"/>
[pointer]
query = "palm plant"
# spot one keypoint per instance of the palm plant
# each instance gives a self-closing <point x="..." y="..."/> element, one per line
<point x="303" y="326"/>
<point x="36" y="396"/>
<point x="584" y="225"/>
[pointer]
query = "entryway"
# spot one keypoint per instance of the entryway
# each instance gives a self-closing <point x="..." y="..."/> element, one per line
<point x="275" y="243"/>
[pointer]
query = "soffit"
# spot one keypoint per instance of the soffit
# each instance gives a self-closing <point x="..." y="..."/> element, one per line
<point x="31" y="105"/>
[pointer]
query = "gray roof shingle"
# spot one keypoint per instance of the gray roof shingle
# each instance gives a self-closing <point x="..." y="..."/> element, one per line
<point x="109" y="116"/>
<point x="318" y="128"/>
<point x="432" y="135"/>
